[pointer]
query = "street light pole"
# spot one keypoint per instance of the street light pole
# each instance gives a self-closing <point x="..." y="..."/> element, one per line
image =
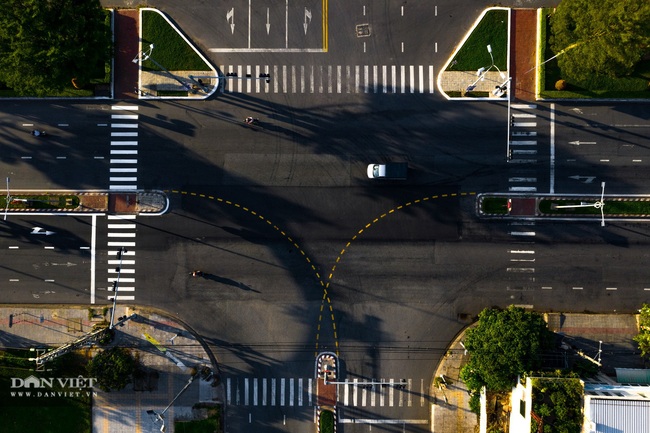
<point x="159" y="416"/>
<point x="116" y="284"/>
<point x="600" y="204"/>
<point x="147" y="56"/>
<point x="8" y="199"/>
<point x="482" y="72"/>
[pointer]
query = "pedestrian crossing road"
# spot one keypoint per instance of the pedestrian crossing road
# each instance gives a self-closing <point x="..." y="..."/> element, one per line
<point x="253" y="391"/>
<point x="330" y="78"/>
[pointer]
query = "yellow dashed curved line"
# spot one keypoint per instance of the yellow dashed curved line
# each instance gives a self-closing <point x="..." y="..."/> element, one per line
<point x="295" y="245"/>
<point x="424" y="199"/>
<point x="325" y="284"/>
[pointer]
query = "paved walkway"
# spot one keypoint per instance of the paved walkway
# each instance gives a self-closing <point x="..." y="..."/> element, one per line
<point x="126" y="48"/>
<point x="523" y="47"/>
<point x="166" y="350"/>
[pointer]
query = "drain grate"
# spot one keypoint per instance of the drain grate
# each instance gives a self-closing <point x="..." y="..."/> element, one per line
<point x="363" y="30"/>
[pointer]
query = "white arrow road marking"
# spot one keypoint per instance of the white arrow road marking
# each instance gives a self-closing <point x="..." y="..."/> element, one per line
<point x="268" y="23"/>
<point x="39" y="231"/>
<point x="307" y="19"/>
<point x="587" y="179"/>
<point x="230" y="17"/>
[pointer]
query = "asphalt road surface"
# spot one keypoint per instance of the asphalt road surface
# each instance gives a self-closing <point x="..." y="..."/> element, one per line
<point x="301" y="252"/>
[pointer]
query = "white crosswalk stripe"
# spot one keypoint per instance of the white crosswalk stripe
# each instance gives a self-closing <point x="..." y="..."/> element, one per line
<point x="252" y="391"/>
<point x="523" y="144"/>
<point x="123" y="142"/>
<point x="330" y="79"/>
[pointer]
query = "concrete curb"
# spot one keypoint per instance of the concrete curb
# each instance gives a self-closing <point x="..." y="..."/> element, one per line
<point x="141" y="82"/>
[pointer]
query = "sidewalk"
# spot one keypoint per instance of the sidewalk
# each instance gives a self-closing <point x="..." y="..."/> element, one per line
<point x="581" y="332"/>
<point x="166" y="350"/>
<point x="126" y="48"/>
<point x="523" y="48"/>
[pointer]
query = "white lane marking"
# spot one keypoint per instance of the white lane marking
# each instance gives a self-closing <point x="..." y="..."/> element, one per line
<point x="522" y="179"/>
<point x="124" y="134"/>
<point x="522" y="233"/>
<point x="524" y="124"/>
<point x="523" y="142"/>
<point x="121" y="226"/>
<point x="124" y="161"/>
<point x="522" y="188"/>
<point x="122" y="187"/>
<point x="124" y="152"/>
<point x="121" y="298"/>
<point x="577" y="288"/>
<point x="523" y="115"/>
<point x="123" y="179"/>
<point x="93" y="256"/>
<point x="524" y="106"/>
<point x="521" y="270"/>
<point x="121" y="244"/>
<point x="123" y="170"/>
<point x="120" y="235"/>
<point x="124" y="125"/>
<point x="552" y="156"/>
<point x="124" y="116"/>
<point x="521" y="251"/>
<point x="125" y="107"/>
<point x="124" y="143"/>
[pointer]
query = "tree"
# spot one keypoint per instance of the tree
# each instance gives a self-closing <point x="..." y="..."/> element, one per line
<point x="44" y="44"/>
<point x="113" y="368"/>
<point x="606" y="37"/>
<point x="504" y="344"/>
<point x="643" y="337"/>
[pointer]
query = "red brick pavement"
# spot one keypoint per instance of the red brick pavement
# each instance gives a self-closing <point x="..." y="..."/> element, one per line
<point x="126" y="48"/>
<point x="523" y="47"/>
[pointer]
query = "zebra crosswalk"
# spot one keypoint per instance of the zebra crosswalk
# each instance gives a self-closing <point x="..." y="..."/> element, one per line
<point x="123" y="178"/>
<point x="523" y="147"/>
<point x="254" y="391"/>
<point x="329" y="78"/>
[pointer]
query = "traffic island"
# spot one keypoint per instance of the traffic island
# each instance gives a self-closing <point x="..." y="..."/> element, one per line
<point x="569" y="207"/>
<point x="326" y="378"/>
<point x="63" y="202"/>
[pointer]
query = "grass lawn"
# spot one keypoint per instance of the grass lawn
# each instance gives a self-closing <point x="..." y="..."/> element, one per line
<point x="40" y="202"/>
<point x="637" y="85"/>
<point x="493" y="31"/>
<point x="495" y="205"/>
<point x="55" y="414"/>
<point x="209" y="425"/>
<point x="102" y="78"/>
<point x="170" y="49"/>
<point x="326" y="422"/>
<point x="611" y="207"/>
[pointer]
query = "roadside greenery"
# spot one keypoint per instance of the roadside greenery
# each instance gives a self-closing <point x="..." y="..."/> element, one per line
<point x="326" y="422"/>
<point x="494" y="205"/>
<point x="55" y="414"/>
<point x="26" y="201"/>
<point x="594" y="82"/>
<point x="611" y="207"/>
<point x="170" y="49"/>
<point x="558" y="402"/>
<point x="642" y="339"/>
<point x="211" y="424"/>
<point x="113" y="368"/>
<point x="53" y="48"/>
<point x="502" y="345"/>
<point x="498" y="205"/>
<point x="493" y="31"/>
<point x="600" y="39"/>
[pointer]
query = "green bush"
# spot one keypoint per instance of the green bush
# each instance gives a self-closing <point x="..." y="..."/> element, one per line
<point x="326" y="421"/>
